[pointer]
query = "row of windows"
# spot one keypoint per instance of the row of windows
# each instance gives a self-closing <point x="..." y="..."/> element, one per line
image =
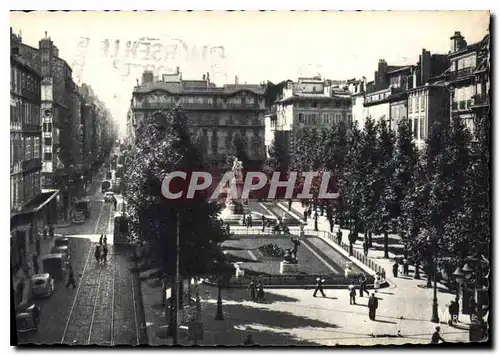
<point x="314" y="119"/>
<point x="417" y="104"/>
<point x="21" y="81"/>
<point x="23" y="188"/>
<point x="419" y="127"/>
<point x="24" y="112"/>
<point x="320" y="104"/>
<point x="23" y="148"/>
<point x="463" y="94"/>
<point x="463" y="63"/>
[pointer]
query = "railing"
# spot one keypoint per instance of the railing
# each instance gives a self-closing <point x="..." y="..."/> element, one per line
<point x="242" y="230"/>
<point x="461" y="73"/>
<point x="461" y="105"/>
<point x="481" y="99"/>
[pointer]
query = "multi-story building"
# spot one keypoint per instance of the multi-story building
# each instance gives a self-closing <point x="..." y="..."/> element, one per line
<point x="30" y="208"/>
<point x="480" y="105"/>
<point x="216" y="115"/>
<point x="357" y="88"/>
<point x="399" y="91"/>
<point x="465" y="94"/>
<point x="310" y="103"/>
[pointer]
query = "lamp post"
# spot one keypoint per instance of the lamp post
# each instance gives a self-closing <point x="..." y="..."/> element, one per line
<point x="435" y="317"/>
<point x="218" y="269"/>
<point x="459" y="277"/>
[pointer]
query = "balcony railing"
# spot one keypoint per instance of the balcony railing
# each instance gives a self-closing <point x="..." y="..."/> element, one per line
<point x="32" y="164"/>
<point x="480" y="100"/>
<point x="462" y="105"/>
<point x="461" y="73"/>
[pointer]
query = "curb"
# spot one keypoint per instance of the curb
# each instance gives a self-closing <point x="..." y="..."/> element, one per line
<point x="384" y="284"/>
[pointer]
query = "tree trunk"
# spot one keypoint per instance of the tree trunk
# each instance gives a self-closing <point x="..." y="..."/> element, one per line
<point x="386" y="244"/>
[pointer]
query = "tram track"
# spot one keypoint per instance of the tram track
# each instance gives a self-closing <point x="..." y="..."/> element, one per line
<point x="104" y="311"/>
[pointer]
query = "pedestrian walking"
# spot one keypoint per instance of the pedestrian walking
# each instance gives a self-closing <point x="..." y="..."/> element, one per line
<point x="436" y="337"/>
<point x="289" y="204"/>
<point x="339" y="237"/>
<point x="97" y="253"/>
<point x="296" y="244"/>
<point x="352" y="294"/>
<point x="365" y="248"/>
<point x="253" y="290"/>
<point x="362" y="285"/>
<point x="71" y="277"/>
<point x="45" y="232"/>
<point x="105" y="253"/>
<point x="372" y="306"/>
<point x="376" y="282"/>
<point x="227" y="228"/>
<point x="395" y="267"/>
<point x="100" y="239"/>
<point x="316" y="222"/>
<point x="319" y="287"/>
<point x="305" y="215"/>
<point x="105" y="240"/>
<point x="36" y="267"/>
<point x="260" y="292"/>
<point x="263" y="223"/>
<point x="250" y="221"/>
<point x="51" y="231"/>
<point x="453" y="311"/>
<point x="406" y="271"/>
<point x="244" y="222"/>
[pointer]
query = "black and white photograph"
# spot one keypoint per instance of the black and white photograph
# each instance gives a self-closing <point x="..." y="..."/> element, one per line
<point x="251" y="178"/>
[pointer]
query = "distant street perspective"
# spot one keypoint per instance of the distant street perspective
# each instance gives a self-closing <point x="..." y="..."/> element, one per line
<point x="143" y="221"/>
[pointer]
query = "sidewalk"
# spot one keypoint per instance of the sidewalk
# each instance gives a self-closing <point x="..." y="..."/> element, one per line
<point x="295" y="317"/>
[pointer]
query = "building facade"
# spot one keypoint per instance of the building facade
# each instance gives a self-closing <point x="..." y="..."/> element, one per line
<point x="310" y="103"/>
<point x="468" y="79"/>
<point x="217" y="116"/>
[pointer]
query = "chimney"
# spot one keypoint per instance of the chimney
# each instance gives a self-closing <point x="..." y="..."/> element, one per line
<point x="457" y="42"/>
<point x="425" y="66"/>
<point x="208" y="77"/>
<point x="147" y="77"/>
<point x="236" y="80"/>
<point x="178" y="70"/>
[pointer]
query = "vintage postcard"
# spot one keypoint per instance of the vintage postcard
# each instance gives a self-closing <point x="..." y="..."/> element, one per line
<point x="250" y="178"/>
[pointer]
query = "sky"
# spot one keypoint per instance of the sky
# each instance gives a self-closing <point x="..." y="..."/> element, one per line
<point x="255" y="46"/>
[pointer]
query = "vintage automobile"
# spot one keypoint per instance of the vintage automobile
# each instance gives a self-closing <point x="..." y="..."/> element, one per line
<point x="42" y="285"/>
<point x="27" y="317"/>
<point x="78" y="218"/>
<point x="64" y="251"/>
<point x="61" y="240"/>
<point x="55" y="265"/>
<point x="109" y="197"/>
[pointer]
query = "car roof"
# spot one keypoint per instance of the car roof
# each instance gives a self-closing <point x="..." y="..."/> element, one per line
<point x="51" y="256"/>
<point x="41" y="276"/>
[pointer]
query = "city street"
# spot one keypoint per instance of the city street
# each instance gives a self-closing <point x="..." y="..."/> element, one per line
<point x="103" y="309"/>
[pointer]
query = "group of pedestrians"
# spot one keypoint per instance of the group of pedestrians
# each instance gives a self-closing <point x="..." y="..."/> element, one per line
<point x="101" y="250"/>
<point x="247" y="221"/>
<point x="256" y="291"/>
<point x="403" y="268"/>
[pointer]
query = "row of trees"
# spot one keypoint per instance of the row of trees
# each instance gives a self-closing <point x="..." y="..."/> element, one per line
<point x="440" y="193"/>
<point x="164" y="145"/>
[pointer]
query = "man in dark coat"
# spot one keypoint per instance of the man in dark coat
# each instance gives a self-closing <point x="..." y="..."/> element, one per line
<point x="105" y="253"/>
<point x="362" y="285"/>
<point x="263" y="223"/>
<point x="316" y="222"/>
<point x="71" y="277"/>
<point x="253" y="290"/>
<point x="305" y="215"/>
<point x="372" y="306"/>
<point x="250" y="221"/>
<point x="395" y="267"/>
<point x="319" y="287"/>
<point x="339" y="236"/>
<point x="436" y="337"/>
<point x="352" y="294"/>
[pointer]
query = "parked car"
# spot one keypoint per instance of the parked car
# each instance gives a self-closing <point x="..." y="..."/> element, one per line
<point x="61" y="240"/>
<point x="55" y="265"/>
<point x="109" y="197"/>
<point x="27" y="317"/>
<point x="78" y="218"/>
<point x="42" y="285"/>
<point x="63" y="250"/>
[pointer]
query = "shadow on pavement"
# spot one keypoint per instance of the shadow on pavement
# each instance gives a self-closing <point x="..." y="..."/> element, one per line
<point x="384" y="321"/>
<point x="269" y="297"/>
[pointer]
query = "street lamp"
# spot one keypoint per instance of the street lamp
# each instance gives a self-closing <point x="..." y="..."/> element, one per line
<point x="459" y="277"/>
<point x="435" y="317"/>
<point x="218" y="268"/>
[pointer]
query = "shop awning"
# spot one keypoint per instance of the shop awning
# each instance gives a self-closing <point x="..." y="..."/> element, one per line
<point x="37" y="204"/>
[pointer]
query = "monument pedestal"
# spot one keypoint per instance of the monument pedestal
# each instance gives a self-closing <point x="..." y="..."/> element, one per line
<point x="287" y="268"/>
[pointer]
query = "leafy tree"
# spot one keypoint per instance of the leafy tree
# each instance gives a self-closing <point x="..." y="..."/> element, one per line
<point x="277" y="160"/>
<point x="368" y="169"/>
<point x="382" y="214"/>
<point x="238" y="149"/>
<point x="353" y="179"/>
<point x="164" y="146"/>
